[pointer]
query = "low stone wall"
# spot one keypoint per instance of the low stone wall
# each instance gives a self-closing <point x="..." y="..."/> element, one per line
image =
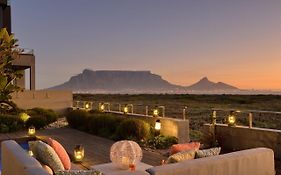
<point x="169" y="126"/>
<point x="56" y="100"/>
<point x="241" y="137"/>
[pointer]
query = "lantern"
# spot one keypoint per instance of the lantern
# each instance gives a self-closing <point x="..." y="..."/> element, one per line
<point x="157" y="125"/>
<point x="30" y="153"/>
<point x="102" y="107"/>
<point x="125" y="154"/>
<point x="31" y="131"/>
<point x="126" y="109"/>
<point x="78" y="153"/>
<point x="155" y="112"/>
<point x="87" y="106"/>
<point x="231" y="120"/>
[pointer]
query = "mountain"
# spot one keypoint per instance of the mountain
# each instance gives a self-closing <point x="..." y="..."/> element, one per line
<point x="135" y="82"/>
<point x="206" y="85"/>
<point x="117" y="82"/>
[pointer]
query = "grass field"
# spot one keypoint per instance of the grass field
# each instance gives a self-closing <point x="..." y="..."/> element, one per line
<point x="199" y="107"/>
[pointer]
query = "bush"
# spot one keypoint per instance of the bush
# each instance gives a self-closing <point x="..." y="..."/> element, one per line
<point x="10" y="123"/>
<point x="162" y="142"/>
<point x="78" y="119"/>
<point x="104" y="125"/>
<point x="50" y="115"/>
<point x="37" y="122"/>
<point x="133" y="129"/>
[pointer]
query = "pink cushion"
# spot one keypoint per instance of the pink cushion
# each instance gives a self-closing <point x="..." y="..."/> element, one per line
<point x="61" y="152"/>
<point x="184" y="147"/>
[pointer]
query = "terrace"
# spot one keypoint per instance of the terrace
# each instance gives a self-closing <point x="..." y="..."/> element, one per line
<point x="97" y="148"/>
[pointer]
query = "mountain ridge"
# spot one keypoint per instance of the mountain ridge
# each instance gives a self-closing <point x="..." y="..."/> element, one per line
<point x="126" y="81"/>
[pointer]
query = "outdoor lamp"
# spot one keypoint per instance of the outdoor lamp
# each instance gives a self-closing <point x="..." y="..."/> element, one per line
<point x="231" y="120"/>
<point x="30" y="153"/>
<point x="155" y="112"/>
<point x="87" y="106"/>
<point x="102" y="107"/>
<point x="157" y="125"/>
<point x="78" y="153"/>
<point x="31" y="131"/>
<point x="126" y="109"/>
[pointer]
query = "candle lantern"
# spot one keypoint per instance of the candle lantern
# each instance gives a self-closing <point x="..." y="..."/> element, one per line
<point x="78" y="153"/>
<point x="31" y="131"/>
<point x="157" y="125"/>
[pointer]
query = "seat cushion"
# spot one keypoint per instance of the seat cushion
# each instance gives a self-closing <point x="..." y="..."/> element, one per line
<point x="61" y="152"/>
<point x="46" y="155"/>
<point x="184" y="147"/>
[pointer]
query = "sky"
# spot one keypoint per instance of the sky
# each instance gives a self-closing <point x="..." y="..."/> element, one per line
<point x="236" y="42"/>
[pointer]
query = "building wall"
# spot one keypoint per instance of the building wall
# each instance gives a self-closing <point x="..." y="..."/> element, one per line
<point x="56" y="100"/>
<point x="241" y="137"/>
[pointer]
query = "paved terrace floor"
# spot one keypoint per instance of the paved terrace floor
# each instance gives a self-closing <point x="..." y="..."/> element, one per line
<point x="96" y="148"/>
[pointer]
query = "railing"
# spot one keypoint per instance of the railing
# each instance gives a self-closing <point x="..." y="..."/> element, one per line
<point x="27" y="51"/>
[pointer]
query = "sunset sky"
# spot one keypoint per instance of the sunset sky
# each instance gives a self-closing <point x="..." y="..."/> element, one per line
<point x="237" y="42"/>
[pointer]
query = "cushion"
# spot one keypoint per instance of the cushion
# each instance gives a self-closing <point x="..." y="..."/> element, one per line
<point x="184" y="147"/>
<point x="48" y="169"/>
<point x="61" y="152"/>
<point x="46" y="154"/>
<point x="78" y="172"/>
<point x="208" y="152"/>
<point x="180" y="156"/>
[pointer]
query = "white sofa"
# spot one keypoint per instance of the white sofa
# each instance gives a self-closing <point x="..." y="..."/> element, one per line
<point x="258" y="161"/>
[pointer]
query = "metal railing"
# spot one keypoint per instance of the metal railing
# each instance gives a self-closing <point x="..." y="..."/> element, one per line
<point x="27" y="51"/>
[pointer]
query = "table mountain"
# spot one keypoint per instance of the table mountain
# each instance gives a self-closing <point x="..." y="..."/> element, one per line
<point x="106" y="81"/>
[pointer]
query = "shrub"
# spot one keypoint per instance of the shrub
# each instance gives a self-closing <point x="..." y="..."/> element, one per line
<point x="133" y="129"/>
<point x="104" y="125"/>
<point x="37" y="122"/>
<point x="78" y="119"/>
<point x="10" y="123"/>
<point x="162" y="142"/>
<point x="50" y="115"/>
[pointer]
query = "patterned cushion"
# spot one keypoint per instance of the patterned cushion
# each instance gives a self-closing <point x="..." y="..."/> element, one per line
<point x="78" y="172"/>
<point x="46" y="154"/>
<point x="61" y="152"/>
<point x="184" y="147"/>
<point x="208" y="152"/>
<point x="180" y="156"/>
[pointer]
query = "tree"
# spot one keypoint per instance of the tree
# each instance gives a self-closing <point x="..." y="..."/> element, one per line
<point x="9" y="51"/>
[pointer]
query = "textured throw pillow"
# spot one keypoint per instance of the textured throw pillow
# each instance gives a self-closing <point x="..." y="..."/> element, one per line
<point x="61" y="152"/>
<point x="180" y="156"/>
<point x="78" y="172"/>
<point x="46" y="154"/>
<point x="208" y="152"/>
<point x="184" y="147"/>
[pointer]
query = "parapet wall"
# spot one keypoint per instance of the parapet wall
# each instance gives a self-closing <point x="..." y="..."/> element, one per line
<point x="169" y="126"/>
<point x="56" y="100"/>
<point x="241" y="137"/>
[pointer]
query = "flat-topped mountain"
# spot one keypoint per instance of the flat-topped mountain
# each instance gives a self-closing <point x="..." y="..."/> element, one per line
<point x="117" y="82"/>
<point x="106" y="81"/>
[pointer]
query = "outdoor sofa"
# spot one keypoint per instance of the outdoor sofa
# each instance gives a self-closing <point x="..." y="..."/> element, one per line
<point x="258" y="161"/>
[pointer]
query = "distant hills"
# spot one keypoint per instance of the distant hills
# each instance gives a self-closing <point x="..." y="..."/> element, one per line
<point x="106" y="81"/>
